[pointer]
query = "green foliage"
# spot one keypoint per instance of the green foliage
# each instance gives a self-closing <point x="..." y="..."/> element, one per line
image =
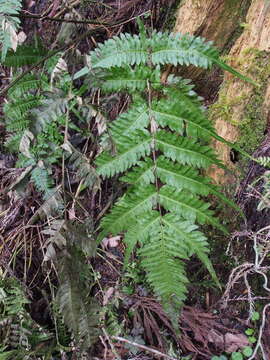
<point x="162" y="149"/>
<point x="19" y="334"/>
<point x="24" y="55"/>
<point x="9" y="25"/>
<point x="37" y="116"/>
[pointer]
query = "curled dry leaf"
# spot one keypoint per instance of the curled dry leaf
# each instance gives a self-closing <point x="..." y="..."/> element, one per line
<point x="110" y="242"/>
<point x="107" y="295"/>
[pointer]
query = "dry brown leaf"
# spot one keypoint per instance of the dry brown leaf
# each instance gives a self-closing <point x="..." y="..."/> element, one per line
<point x="234" y="342"/>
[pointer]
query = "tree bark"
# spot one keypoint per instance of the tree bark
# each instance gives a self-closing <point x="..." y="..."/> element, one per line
<point x="240" y="113"/>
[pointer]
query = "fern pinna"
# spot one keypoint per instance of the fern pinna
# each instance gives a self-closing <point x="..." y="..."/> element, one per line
<point x="162" y="148"/>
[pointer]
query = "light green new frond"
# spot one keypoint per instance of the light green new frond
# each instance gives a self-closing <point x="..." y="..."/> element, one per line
<point x="128" y="154"/>
<point x="136" y="118"/>
<point x="165" y="271"/>
<point x="180" y="176"/>
<point x="188" y="206"/>
<point x="9" y="25"/>
<point x="130" y="80"/>
<point x="140" y="232"/>
<point x="128" y="209"/>
<point x="142" y="174"/>
<point x="195" y="240"/>
<point x="185" y="151"/>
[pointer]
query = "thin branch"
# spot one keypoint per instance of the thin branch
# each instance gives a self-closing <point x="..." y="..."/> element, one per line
<point x="143" y="347"/>
<point x="58" y="19"/>
<point x="89" y="22"/>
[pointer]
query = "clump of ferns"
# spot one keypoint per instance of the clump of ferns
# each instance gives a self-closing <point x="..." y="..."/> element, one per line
<point x="39" y="118"/>
<point x="19" y="333"/>
<point x="161" y="150"/>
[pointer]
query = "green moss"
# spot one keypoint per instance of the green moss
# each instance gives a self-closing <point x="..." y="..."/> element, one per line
<point x="251" y="122"/>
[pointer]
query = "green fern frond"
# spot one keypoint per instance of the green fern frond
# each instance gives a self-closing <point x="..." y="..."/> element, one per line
<point x="137" y="117"/>
<point x="160" y="49"/>
<point x="139" y="233"/>
<point x="163" y="145"/>
<point x="85" y="172"/>
<point x="128" y="208"/>
<point x="161" y="258"/>
<point x="178" y="116"/>
<point x="181" y="177"/>
<point x="42" y="181"/>
<point x="128" y="153"/>
<point x="24" y="55"/>
<point x="185" y="151"/>
<point x="28" y="82"/>
<point x="128" y="79"/>
<point x="188" y="206"/>
<point x="80" y="313"/>
<point x="263" y="161"/>
<point x="142" y="174"/>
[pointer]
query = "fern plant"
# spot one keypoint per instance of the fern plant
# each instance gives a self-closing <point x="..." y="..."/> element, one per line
<point x="162" y="149"/>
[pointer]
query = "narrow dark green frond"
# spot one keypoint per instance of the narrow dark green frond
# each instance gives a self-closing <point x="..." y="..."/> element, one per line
<point x="136" y="118"/>
<point x="24" y="55"/>
<point x="29" y="82"/>
<point x="180" y="176"/>
<point x="185" y="151"/>
<point x="128" y="154"/>
<point x="188" y="206"/>
<point x="142" y="174"/>
<point x="21" y="106"/>
<point x="128" y="209"/>
<point x="130" y="80"/>
<point x="231" y="70"/>
<point x="80" y="314"/>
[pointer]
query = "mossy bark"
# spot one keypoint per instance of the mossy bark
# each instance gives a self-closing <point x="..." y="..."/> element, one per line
<point x="241" y="112"/>
<point x="240" y="28"/>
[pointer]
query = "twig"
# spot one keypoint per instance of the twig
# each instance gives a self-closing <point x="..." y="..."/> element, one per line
<point x="57" y="19"/>
<point x="111" y="344"/>
<point x="143" y="347"/>
<point x="93" y="22"/>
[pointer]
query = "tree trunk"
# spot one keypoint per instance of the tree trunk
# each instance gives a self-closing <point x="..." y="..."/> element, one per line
<point x="240" y="113"/>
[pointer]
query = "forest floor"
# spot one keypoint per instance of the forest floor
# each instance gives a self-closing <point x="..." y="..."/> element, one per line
<point x="213" y="322"/>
